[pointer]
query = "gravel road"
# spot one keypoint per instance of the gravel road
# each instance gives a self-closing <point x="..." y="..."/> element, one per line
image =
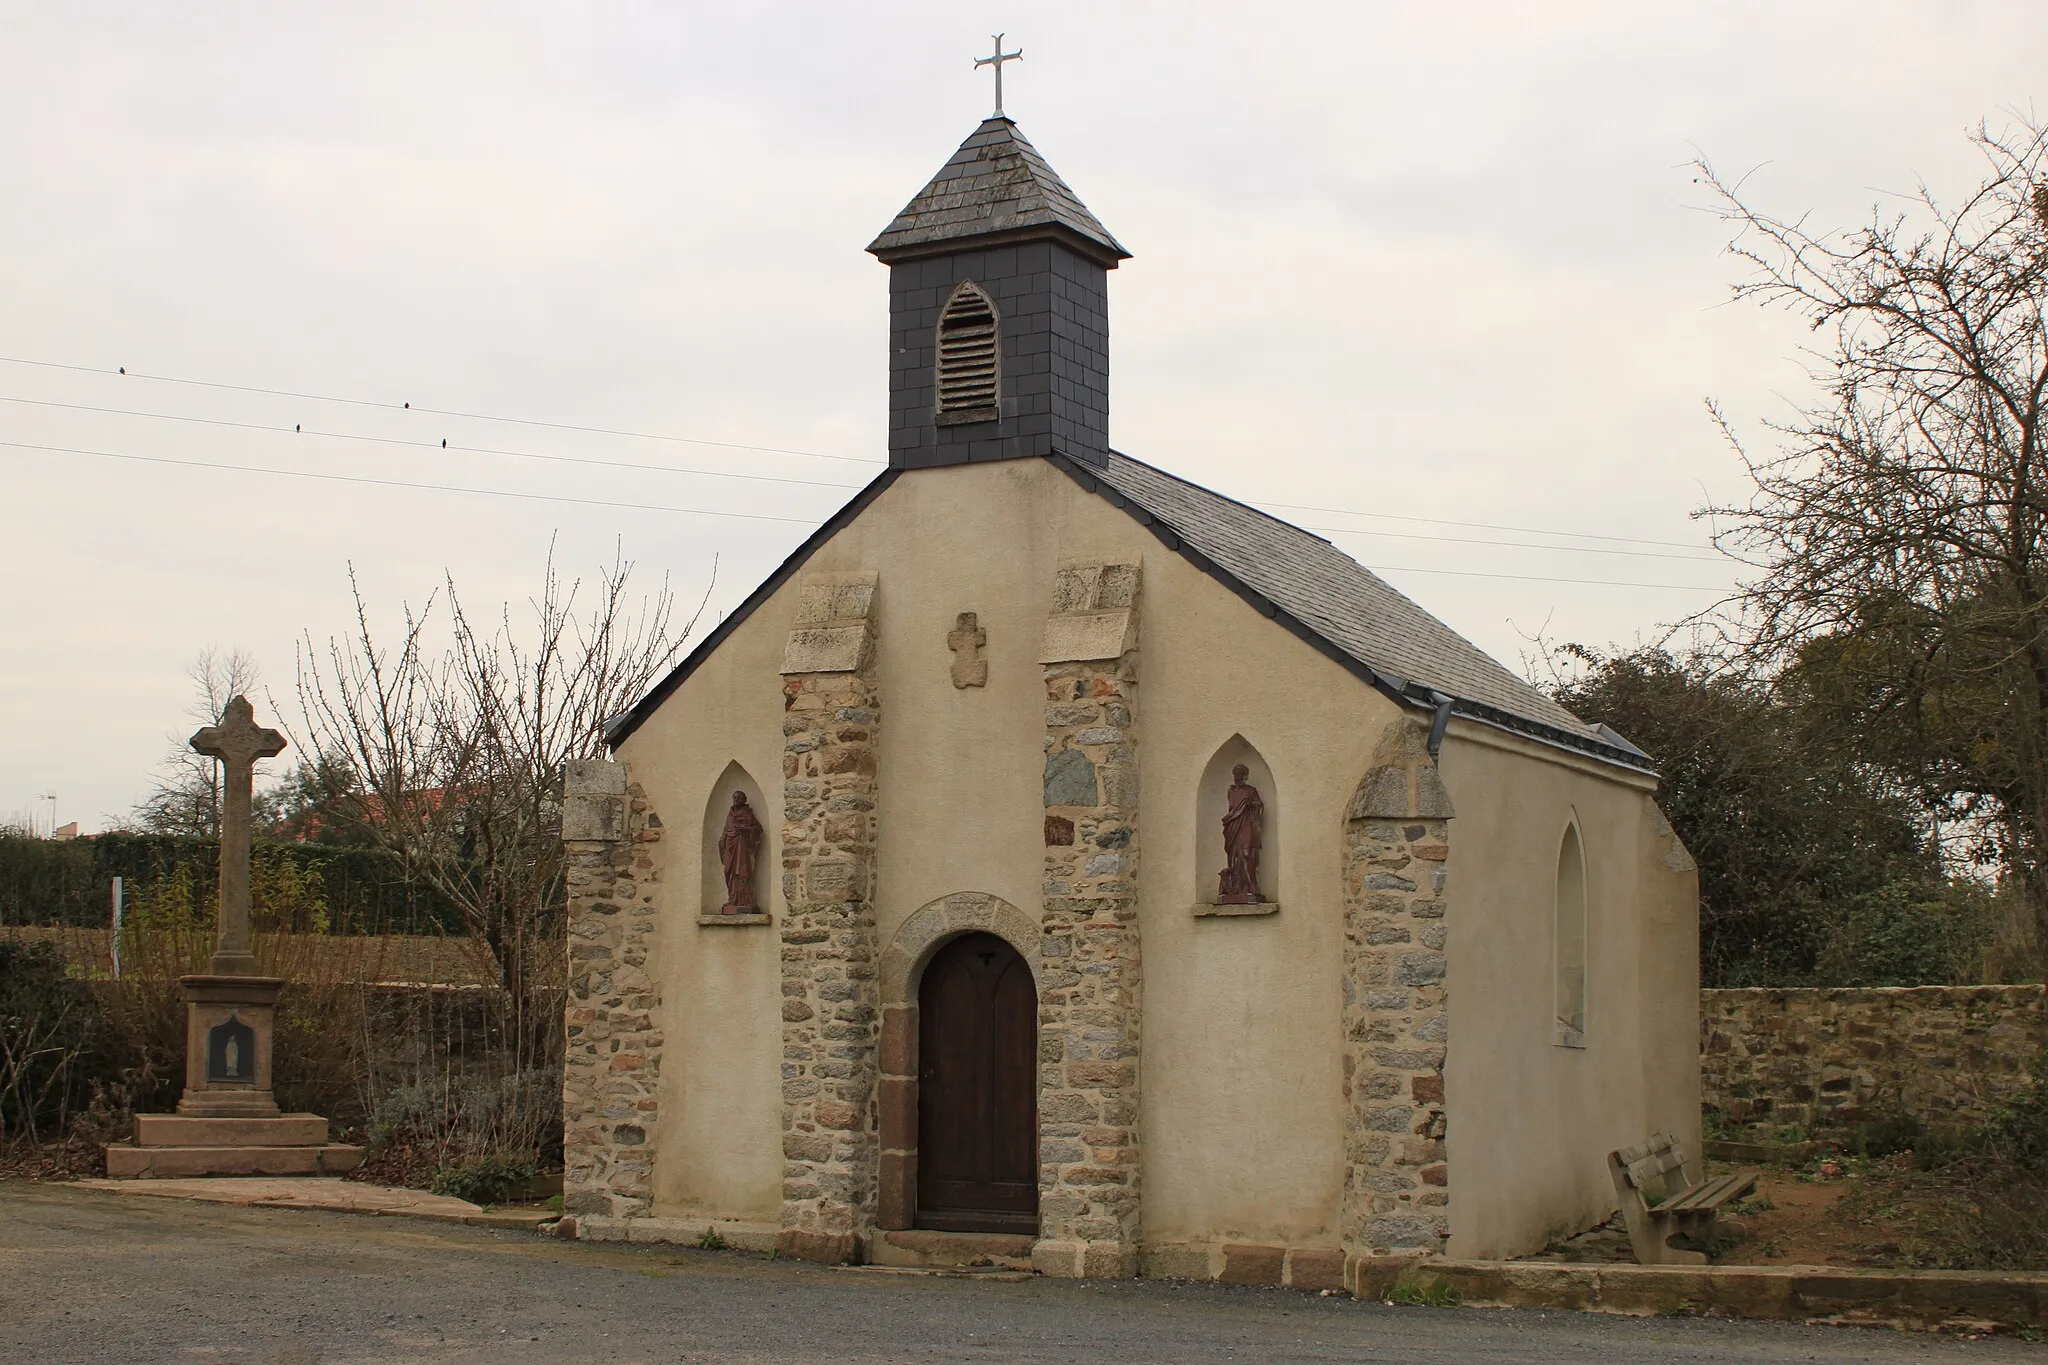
<point x="90" y="1277"/>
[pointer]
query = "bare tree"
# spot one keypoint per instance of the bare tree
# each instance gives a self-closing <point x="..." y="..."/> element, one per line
<point x="457" y="752"/>
<point x="1897" y="530"/>
<point x="186" y="795"/>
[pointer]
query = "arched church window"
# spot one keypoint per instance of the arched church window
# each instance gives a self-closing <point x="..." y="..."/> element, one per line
<point x="1571" y="940"/>
<point x="968" y="363"/>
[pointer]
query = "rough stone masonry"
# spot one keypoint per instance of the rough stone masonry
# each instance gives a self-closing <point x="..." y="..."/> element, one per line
<point x="1830" y="1058"/>
<point x="830" y="1014"/>
<point x="1088" y="1007"/>
<point x="611" y="1065"/>
<point x="1396" y="1019"/>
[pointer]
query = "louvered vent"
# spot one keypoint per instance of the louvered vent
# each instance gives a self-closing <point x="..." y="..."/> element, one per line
<point x="967" y="357"/>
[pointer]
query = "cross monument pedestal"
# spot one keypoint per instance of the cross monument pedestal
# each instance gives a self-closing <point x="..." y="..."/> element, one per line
<point x="228" y="1121"/>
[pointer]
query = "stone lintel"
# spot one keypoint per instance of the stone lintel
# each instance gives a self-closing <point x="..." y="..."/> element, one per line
<point x="834" y="630"/>
<point x="593" y="801"/>
<point x="1083" y="637"/>
<point x="732" y="921"/>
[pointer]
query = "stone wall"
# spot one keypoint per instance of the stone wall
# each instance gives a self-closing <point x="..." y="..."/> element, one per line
<point x="831" y="710"/>
<point x="1088" y="1004"/>
<point x="611" y="1065"/>
<point x="1396" y="1020"/>
<point x="1831" y="1058"/>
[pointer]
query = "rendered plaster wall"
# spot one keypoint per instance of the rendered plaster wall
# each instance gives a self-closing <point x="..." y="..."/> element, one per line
<point x="1531" y="1121"/>
<point x="1242" y="1084"/>
<point x="718" y="1155"/>
<point x="1242" y="1106"/>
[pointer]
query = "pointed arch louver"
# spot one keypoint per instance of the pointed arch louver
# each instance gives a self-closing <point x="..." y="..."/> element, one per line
<point x="969" y="366"/>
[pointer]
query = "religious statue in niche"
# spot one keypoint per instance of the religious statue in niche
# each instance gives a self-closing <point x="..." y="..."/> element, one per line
<point x="1244" y="834"/>
<point x="739" y="848"/>
<point x="231" y="1051"/>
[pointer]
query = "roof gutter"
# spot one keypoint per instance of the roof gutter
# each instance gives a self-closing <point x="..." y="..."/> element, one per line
<point x="1440" y="723"/>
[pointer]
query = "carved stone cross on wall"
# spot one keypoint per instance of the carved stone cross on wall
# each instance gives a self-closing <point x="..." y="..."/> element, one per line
<point x="238" y="741"/>
<point x="965" y="640"/>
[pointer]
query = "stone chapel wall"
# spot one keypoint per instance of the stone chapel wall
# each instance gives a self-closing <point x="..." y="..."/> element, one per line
<point x="612" y="1043"/>
<point x="1531" y="1114"/>
<point x="1397" y="1191"/>
<point x="830" y="1008"/>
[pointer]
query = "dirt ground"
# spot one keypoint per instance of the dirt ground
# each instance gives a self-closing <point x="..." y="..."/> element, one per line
<point x="1839" y="1211"/>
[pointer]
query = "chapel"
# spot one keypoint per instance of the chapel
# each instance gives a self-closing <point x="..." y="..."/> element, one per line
<point x="1056" y="863"/>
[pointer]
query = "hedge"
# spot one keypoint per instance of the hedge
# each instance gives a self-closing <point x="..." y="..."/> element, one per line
<point x="48" y="881"/>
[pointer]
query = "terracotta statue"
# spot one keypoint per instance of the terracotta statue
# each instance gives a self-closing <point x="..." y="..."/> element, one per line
<point x="1244" y="829"/>
<point x="739" y="844"/>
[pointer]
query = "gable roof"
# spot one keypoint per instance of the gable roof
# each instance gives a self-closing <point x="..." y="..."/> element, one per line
<point x="1326" y="597"/>
<point x="1296" y="578"/>
<point x="995" y="185"/>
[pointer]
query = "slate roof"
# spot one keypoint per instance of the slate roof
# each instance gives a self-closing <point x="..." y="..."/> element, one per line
<point x="1333" y="599"/>
<point x="996" y="183"/>
<point x="1298" y="579"/>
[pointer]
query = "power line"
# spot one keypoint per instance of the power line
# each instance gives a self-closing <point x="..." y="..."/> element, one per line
<point x="401" y="483"/>
<point x="125" y="373"/>
<point x="1513" y="544"/>
<point x="758" y="478"/>
<point x="1483" y="525"/>
<point x="1538" y="578"/>
<point x="699" y="511"/>
<point x="423" y="445"/>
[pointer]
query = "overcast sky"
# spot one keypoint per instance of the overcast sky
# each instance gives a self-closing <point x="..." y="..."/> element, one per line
<point x="1440" y="261"/>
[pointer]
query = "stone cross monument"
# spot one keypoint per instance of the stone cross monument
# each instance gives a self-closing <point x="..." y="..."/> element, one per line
<point x="238" y="741"/>
<point x="231" y="1010"/>
<point x="227" y="1121"/>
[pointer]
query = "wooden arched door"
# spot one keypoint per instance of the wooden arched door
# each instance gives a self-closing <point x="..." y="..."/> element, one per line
<point x="977" y="1091"/>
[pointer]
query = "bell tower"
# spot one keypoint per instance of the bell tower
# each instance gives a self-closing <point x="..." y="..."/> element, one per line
<point x="998" y="312"/>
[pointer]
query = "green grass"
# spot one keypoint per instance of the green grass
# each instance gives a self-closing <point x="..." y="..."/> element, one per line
<point x="1418" y="1290"/>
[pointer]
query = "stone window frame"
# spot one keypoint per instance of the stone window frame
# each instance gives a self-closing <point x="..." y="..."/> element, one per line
<point x="915" y="943"/>
<point x="1570" y="922"/>
<point x="982" y="398"/>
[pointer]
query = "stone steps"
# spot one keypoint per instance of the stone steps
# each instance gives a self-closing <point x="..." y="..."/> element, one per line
<point x="184" y="1130"/>
<point x="927" y="1249"/>
<point x="326" y="1158"/>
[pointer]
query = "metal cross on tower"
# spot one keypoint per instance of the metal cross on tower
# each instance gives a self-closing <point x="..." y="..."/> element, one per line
<point x="997" y="61"/>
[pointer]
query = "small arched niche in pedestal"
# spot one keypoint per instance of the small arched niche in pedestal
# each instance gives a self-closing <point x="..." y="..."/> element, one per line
<point x="1244" y="886"/>
<point x="736" y="848"/>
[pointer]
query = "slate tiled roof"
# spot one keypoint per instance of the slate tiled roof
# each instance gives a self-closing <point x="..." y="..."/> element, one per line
<point x="1348" y="606"/>
<point x="1294" y="576"/>
<point x="996" y="182"/>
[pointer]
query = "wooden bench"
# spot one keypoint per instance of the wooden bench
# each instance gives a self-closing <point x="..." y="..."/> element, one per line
<point x="1657" y="1204"/>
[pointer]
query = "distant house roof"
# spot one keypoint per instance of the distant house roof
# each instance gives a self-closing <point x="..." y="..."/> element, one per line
<point x="1296" y="578"/>
<point x="995" y="186"/>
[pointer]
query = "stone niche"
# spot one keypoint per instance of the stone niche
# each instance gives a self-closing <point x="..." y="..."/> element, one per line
<point x="716" y="808"/>
<point x="1211" y="794"/>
